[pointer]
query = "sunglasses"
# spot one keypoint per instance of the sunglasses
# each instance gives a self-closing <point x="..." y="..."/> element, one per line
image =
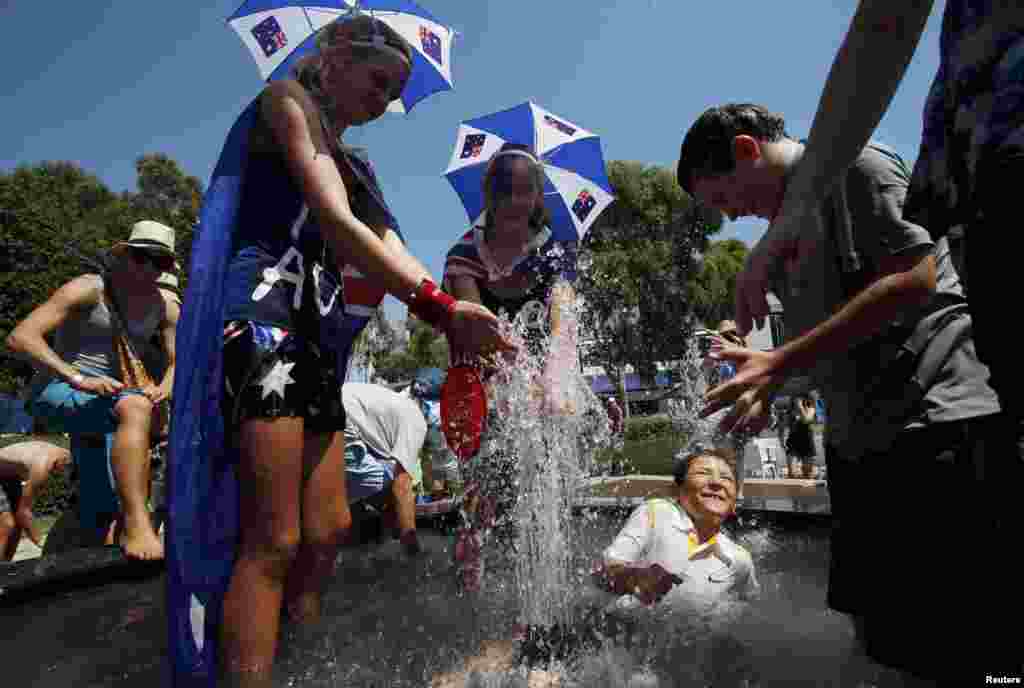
<point x="161" y="262"/>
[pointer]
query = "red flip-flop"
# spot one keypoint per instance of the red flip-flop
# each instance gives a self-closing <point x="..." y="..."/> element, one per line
<point x="463" y="410"/>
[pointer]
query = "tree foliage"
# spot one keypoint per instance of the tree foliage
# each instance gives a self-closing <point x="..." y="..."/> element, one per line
<point x="711" y="290"/>
<point x="54" y="213"/>
<point x="424" y="349"/>
<point x="635" y="267"/>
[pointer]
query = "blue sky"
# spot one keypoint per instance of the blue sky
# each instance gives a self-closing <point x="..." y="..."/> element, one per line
<point x="108" y="80"/>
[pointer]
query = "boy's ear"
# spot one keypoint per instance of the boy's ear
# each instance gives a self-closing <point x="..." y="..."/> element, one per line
<point x="746" y="148"/>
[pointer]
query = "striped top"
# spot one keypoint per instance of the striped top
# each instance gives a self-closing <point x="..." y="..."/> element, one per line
<point x="510" y="288"/>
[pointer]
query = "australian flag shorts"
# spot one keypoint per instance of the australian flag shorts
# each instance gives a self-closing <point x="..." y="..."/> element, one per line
<point x="270" y="372"/>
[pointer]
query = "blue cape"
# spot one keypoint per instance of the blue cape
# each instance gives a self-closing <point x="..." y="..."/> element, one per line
<point x="202" y="499"/>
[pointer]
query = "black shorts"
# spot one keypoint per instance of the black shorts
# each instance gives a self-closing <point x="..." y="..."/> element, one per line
<point x="916" y="549"/>
<point x="10" y="494"/>
<point x="270" y="372"/>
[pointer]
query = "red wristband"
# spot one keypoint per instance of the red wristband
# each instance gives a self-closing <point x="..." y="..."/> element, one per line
<point x="432" y="306"/>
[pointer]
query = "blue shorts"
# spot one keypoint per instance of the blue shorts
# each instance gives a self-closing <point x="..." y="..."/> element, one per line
<point x="69" y="410"/>
<point x="365" y="474"/>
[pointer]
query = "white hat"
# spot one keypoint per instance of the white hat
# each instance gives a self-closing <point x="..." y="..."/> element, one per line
<point x="150" y="235"/>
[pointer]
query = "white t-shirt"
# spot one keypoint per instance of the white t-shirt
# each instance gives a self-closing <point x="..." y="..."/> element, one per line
<point x="710" y="572"/>
<point x="388" y="423"/>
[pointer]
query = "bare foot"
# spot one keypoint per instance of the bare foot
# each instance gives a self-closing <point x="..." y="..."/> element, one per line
<point x="140" y="541"/>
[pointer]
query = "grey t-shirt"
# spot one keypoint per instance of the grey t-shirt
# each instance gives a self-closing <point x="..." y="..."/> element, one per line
<point x="388" y="423"/>
<point x="876" y="187"/>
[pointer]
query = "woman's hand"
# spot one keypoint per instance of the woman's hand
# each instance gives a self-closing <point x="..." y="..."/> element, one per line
<point x="651" y="583"/>
<point x="475" y="331"/>
<point x="100" y="385"/>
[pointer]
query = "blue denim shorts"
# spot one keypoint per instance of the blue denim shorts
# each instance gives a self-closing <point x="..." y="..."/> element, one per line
<point x="365" y="474"/>
<point x="69" y="410"/>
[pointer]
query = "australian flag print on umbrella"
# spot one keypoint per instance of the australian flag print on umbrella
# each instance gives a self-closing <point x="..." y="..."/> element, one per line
<point x="576" y="188"/>
<point x="280" y="32"/>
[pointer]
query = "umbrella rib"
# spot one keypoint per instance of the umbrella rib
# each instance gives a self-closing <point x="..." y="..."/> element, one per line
<point x="305" y="13"/>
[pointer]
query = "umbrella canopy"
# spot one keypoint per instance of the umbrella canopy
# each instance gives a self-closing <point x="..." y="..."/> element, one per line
<point x="280" y="32"/>
<point x="576" y="189"/>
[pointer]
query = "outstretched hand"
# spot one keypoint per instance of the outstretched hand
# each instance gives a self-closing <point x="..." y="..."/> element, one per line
<point x="475" y="331"/>
<point x="748" y="391"/>
<point x="652" y="583"/>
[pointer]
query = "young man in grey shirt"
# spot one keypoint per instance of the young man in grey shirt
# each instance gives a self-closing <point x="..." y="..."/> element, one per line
<point x="895" y="460"/>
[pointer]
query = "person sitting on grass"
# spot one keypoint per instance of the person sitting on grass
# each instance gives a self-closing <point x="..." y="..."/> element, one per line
<point x="24" y="469"/>
<point x="676" y="548"/>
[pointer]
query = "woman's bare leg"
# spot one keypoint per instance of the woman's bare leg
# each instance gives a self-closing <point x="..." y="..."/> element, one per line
<point x="270" y="486"/>
<point x="326" y="522"/>
<point x="129" y="458"/>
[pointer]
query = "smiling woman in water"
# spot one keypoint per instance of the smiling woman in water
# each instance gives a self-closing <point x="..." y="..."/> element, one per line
<point x="678" y="545"/>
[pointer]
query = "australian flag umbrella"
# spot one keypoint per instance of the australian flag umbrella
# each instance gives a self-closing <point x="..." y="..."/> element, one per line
<point x="280" y="32"/>
<point x="576" y="188"/>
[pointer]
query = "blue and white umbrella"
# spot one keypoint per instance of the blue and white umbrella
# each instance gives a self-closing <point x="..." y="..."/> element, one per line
<point x="576" y="189"/>
<point x="280" y="32"/>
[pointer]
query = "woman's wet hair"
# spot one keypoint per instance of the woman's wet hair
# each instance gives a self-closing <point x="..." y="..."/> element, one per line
<point x="368" y="36"/>
<point x="499" y="165"/>
<point x="366" y="33"/>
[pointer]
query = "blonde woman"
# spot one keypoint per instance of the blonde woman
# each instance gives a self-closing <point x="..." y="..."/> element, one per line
<point x="307" y="215"/>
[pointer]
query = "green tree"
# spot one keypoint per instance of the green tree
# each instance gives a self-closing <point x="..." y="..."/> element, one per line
<point x="635" y="266"/>
<point x="711" y="290"/>
<point x="47" y="225"/>
<point x="425" y="349"/>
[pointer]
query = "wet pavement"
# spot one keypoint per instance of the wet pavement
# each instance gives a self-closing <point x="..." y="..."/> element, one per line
<point x="394" y="622"/>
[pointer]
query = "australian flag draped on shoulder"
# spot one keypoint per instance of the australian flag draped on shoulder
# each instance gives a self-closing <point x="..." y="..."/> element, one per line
<point x="202" y="528"/>
<point x="203" y="520"/>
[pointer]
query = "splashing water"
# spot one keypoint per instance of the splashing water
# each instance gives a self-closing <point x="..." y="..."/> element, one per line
<point x="684" y="410"/>
<point x="360" y="364"/>
<point x="551" y="424"/>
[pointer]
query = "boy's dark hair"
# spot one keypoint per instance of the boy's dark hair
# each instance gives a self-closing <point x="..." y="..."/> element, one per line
<point x="707" y="148"/>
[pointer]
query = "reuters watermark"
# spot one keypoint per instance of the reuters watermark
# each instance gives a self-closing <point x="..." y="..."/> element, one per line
<point x="1002" y="680"/>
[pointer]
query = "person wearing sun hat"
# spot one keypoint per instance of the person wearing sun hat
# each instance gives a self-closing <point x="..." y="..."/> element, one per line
<point x="151" y="236"/>
<point x="92" y="380"/>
